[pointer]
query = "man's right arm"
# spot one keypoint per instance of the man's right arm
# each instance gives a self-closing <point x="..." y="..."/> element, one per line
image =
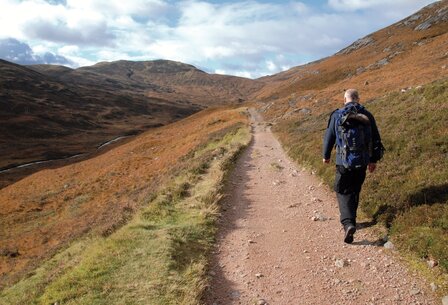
<point x="376" y="141"/>
<point x="329" y="139"/>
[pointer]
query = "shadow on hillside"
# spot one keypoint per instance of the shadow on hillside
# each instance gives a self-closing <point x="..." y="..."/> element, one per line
<point x="430" y="195"/>
<point x="385" y="214"/>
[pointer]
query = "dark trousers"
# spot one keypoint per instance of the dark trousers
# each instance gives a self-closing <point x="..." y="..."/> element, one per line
<point x="347" y="186"/>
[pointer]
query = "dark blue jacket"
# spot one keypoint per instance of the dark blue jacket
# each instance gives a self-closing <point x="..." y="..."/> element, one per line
<point x="330" y="138"/>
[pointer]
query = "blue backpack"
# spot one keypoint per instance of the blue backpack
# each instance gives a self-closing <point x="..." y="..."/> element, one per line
<point x="353" y="136"/>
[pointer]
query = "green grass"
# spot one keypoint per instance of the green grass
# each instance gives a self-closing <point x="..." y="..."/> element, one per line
<point x="160" y="256"/>
<point x="409" y="191"/>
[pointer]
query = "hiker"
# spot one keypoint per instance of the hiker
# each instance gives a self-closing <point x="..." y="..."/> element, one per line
<point x="353" y="131"/>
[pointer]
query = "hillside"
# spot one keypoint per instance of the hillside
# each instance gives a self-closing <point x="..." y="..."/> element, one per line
<point x="46" y="211"/>
<point x="406" y="54"/>
<point x="53" y="112"/>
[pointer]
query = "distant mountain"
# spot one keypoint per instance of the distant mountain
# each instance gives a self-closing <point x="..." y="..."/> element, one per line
<point x="408" y="53"/>
<point x="164" y="79"/>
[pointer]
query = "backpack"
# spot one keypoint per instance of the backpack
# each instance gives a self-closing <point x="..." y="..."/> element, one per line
<point x="353" y="136"/>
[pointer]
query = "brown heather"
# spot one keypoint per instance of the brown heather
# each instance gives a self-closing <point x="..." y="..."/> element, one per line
<point x="47" y="210"/>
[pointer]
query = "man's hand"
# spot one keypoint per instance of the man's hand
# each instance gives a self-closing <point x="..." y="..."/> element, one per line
<point x="326" y="161"/>
<point x="372" y="167"/>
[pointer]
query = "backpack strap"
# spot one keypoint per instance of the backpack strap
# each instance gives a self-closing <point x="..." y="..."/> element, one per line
<point x="355" y="112"/>
<point x="329" y="119"/>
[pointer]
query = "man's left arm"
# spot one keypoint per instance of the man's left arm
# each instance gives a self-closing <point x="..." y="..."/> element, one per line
<point x="329" y="139"/>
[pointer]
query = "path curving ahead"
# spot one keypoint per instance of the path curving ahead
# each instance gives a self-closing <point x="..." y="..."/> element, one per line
<point x="280" y="241"/>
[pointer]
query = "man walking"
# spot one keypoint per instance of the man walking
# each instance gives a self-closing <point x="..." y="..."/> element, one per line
<point x="352" y="129"/>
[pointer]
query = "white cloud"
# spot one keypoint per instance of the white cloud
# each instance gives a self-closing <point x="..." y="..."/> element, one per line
<point x="93" y="34"/>
<point x="68" y="50"/>
<point x="41" y="48"/>
<point x="300" y="7"/>
<point x="245" y="74"/>
<point x="245" y="31"/>
<point x="239" y="37"/>
<point x="353" y="4"/>
<point x="114" y="8"/>
<point x="384" y="5"/>
<point x="80" y="61"/>
<point x="219" y="51"/>
<point x="271" y="66"/>
<point x="220" y="71"/>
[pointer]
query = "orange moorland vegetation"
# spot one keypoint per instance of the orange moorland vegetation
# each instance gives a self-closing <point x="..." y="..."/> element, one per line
<point x="45" y="211"/>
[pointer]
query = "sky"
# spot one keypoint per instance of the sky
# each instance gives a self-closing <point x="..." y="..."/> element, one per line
<point x="249" y="38"/>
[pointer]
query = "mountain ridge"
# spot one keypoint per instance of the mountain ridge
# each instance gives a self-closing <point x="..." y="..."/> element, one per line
<point x="165" y="79"/>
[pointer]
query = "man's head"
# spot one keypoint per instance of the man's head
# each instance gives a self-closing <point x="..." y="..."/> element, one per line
<point x="351" y="95"/>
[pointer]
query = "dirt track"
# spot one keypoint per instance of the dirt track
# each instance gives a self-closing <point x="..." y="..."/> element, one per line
<point x="280" y="241"/>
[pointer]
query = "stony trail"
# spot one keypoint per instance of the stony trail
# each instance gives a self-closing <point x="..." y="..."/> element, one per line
<point x="280" y="241"/>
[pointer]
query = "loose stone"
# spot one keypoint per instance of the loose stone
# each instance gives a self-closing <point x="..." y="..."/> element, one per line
<point x="389" y="245"/>
<point x="341" y="263"/>
<point x="445" y="300"/>
<point x="432" y="263"/>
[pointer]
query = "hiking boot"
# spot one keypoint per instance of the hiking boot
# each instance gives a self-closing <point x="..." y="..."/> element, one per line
<point x="349" y="232"/>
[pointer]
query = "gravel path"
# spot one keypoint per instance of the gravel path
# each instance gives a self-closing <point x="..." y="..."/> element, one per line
<point x="280" y="241"/>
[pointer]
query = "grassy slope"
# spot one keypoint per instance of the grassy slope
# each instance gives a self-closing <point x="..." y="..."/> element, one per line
<point x="95" y="196"/>
<point x="159" y="257"/>
<point x="409" y="191"/>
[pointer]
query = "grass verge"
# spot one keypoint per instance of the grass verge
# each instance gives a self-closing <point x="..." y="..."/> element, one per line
<point x="409" y="191"/>
<point x="160" y="256"/>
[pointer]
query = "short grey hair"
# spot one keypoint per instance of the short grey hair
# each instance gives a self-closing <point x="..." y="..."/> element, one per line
<point x="351" y="95"/>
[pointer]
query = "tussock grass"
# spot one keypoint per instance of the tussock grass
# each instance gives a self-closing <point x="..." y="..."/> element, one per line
<point x="160" y="256"/>
<point x="409" y="191"/>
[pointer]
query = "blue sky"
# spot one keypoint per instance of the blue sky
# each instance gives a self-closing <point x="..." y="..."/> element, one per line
<point x="246" y="38"/>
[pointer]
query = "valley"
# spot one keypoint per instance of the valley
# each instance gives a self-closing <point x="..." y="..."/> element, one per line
<point x="52" y="112"/>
